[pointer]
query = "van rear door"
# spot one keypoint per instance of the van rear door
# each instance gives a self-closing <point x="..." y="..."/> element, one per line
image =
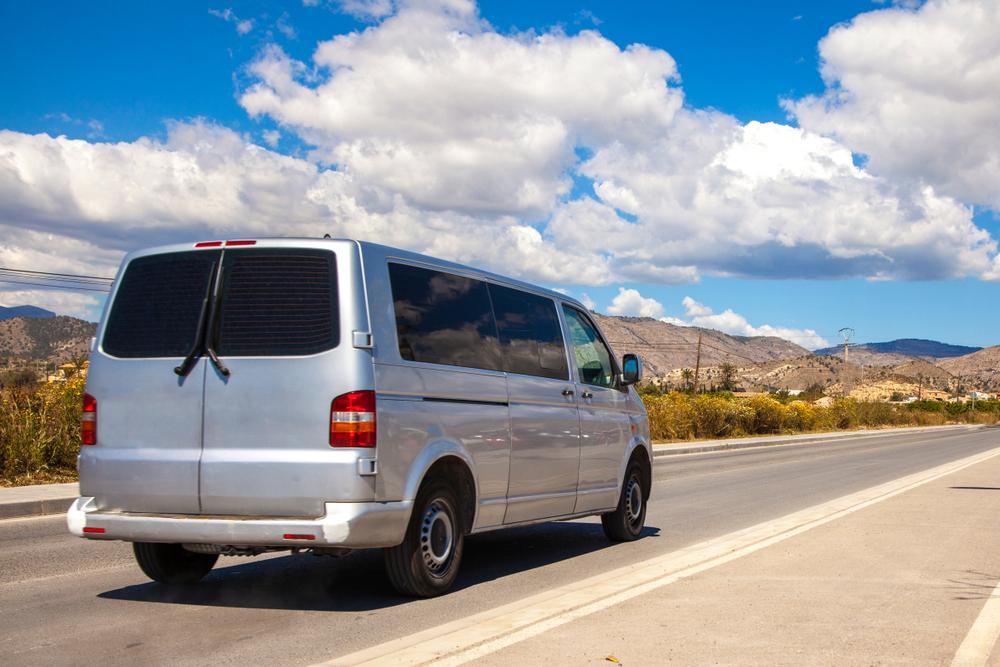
<point x="149" y="417"/>
<point x="278" y="331"/>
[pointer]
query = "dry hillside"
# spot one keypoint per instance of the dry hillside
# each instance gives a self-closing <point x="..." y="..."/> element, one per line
<point x="982" y="366"/>
<point x="665" y="347"/>
<point x="45" y="338"/>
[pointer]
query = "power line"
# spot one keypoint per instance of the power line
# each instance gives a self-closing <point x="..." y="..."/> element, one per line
<point x="60" y="275"/>
<point x="54" y="286"/>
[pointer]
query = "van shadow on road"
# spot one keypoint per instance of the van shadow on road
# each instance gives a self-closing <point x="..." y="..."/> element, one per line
<point x="357" y="582"/>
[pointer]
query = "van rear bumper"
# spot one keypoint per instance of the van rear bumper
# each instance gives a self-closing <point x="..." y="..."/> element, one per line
<point x="348" y="525"/>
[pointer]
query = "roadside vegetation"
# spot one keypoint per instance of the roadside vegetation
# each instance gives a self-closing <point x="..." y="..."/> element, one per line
<point x="39" y="430"/>
<point x="685" y="416"/>
<point x="40" y="423"/>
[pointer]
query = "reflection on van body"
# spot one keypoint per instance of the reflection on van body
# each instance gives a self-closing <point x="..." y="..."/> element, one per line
<point x="328" y="395"/>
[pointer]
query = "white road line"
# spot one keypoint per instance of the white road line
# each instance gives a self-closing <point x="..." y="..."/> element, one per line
<point x="475" y="636"/>
<point x="978" y="644"/>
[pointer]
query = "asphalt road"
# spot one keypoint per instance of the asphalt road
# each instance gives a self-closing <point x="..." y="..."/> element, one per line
<point x="70" y="601"/>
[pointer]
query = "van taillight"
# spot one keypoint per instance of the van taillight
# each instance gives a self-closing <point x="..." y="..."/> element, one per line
<point x="88" y="421"/>
<point x="352" y="420"/>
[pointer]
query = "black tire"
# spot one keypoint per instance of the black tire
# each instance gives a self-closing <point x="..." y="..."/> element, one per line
<point x="424" y="565"/>
<point x="626" y="522"/>
<point x="172" y="563"/>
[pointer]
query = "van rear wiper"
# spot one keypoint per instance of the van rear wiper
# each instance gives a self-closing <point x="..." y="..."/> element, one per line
<point x="195" y="352"/>
<point x="215" y="359"/>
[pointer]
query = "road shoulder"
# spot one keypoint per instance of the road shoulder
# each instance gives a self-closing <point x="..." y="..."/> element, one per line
<point x="901" y="581"/>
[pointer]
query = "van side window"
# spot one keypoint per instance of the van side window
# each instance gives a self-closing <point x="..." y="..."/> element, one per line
<point x="593" y="358"/>
<point x="278" y="302"/>
<point x="442" y="318"/>
<point x="531" y="341"/>
<point x="157" y="305"/>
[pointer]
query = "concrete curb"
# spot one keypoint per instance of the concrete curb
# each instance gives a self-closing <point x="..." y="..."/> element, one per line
<point x="676" y="449"/>
<point x="37" y="500"/>
<point x="35" y="507"/>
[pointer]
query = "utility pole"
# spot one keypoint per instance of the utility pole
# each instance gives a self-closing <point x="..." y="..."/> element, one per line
<point x="697" y="364"/>
<point x="846" y="334"/>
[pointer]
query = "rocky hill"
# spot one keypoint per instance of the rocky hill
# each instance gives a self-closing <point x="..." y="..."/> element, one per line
<point x="665" y="347"/>
<point x="982" y="367"/>
<point x="57" y="338"/>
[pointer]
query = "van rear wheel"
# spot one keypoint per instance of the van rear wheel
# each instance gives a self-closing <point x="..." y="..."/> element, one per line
<point x="172" y="563"/>
<point x="426" y="563"/>
<point x="626" y="522"/>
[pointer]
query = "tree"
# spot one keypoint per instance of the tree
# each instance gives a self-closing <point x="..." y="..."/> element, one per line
<point x="727" y="376"/>
<point x="688" y="376"/>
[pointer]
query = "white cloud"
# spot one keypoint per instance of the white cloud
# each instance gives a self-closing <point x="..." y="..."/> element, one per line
<point x="432" y="131"/>
<point x="630" y="302"/>
<point x="243" y="26"/>
<point x="589" y="303"/>
<point x="271" y="137"/>
<point x="699" y="315"/>
<point x="95" y="201"/>
<point x="434" y="106"/>
<point x="916" y="88"/>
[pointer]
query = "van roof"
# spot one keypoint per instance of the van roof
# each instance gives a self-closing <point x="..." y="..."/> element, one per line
<point x="367" y="248"/>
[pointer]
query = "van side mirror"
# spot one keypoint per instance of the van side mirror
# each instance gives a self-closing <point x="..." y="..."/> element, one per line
<point x="631" y="369"/>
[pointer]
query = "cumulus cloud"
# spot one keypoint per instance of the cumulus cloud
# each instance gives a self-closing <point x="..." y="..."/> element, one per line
<point x="434" y="106"/>
<point x="916" y="88"/>
<point x="699" y="315"/>
<point x="430" y="130"/>
<point x="98" y="200"/>
<point x="630" y="302"/>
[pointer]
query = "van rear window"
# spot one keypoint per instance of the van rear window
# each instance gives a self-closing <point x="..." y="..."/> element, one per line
<point x="278" y="303"/>
<point x="274" y="302"/>
<point x="156" y="308"/>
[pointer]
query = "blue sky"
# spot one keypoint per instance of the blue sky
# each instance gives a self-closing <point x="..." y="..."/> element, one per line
<point x="118" y="72"/>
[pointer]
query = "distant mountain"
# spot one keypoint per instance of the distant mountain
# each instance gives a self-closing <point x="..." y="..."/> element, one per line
<point x="665" y="347"/>
<point x="911" y="347"/>
<point x="55" y="338"/>
<point x="24" y="311"/>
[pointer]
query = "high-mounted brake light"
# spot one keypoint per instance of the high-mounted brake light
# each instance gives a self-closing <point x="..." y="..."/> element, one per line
<point x="352" y="420"/>
<point x="208" y="244"/>
<point x="88" y="421"/>
<point x="240" y="242"/>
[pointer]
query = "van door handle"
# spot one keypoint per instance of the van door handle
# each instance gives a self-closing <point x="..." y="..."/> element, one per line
<point x="587" y="394"/>
<point x="568" y="392"/>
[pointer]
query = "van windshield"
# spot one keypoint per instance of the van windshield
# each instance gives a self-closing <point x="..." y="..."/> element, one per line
<point x="270" y="302"/>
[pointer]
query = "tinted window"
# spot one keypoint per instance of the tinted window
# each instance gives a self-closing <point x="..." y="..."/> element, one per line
<point x="593" y="359"/>
<point x="530" y="339"/>
<point x="158" y="303"/>
<point x="443" y="318"/>
<point x="278" y="303"/>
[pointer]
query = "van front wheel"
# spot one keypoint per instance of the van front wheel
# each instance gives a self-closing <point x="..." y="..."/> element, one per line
<point x="626" y="522"/>
<point x="426" y="563"/>
<point x="172" y="563"/>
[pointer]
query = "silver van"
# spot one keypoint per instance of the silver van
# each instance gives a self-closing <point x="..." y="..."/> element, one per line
<point x="325" y="395"/>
